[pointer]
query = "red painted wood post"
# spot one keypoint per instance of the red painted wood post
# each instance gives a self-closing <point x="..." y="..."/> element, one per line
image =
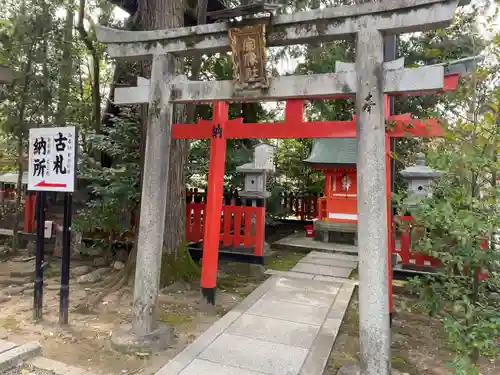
<point x="228" y="221"/>
<point x="189" y="222"/>
<point x="212" y="215"/>
<point x="248" y="239"/>
<point x="27" y="213"/>
<point x="405" y="251"/>
<point x="238" y="222"/>
<point x="260" y="223"/>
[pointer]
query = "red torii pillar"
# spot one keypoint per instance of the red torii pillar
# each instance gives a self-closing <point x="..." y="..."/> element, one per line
<point x="212" y="217"/>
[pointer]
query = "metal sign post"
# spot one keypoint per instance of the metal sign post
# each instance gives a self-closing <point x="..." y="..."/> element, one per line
<point x="65" y="261"/>
<point x="40" y="242"/>
<point x="52" y="167"/>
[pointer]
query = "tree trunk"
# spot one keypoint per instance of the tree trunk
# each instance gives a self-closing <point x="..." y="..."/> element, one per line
<point x="20" y="146"/>
<point x="164" y="14"/>
<point x="45" y="68"/>
<point x="19" y="189"/>
<point x="66" y="66"/>
<point x="96" y="60"/>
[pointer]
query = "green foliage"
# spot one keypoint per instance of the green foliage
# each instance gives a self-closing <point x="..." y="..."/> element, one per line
<point x="115" y="190"/>
<point x="294" y="174"/>
<point x="274" y="208"/>
<point x="7" y="152"/>
<point x="462" y="213"/>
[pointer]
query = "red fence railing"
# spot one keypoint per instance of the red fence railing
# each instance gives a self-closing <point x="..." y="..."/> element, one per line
<point x="404" y="247"/>
<point x="408" y="256"/>
<point x="241" y="226"/>
<point x="195" y="196"/>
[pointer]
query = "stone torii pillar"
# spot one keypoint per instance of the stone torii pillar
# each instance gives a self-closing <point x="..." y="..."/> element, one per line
<point x="368" y="23"/>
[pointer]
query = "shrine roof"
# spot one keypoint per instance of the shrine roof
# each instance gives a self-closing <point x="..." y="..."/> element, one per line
<point x="333" y="151"/>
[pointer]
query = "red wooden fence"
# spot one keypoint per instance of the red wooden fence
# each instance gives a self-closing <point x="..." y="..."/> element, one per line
<point x="404" y="248"/>
<point x="237" y="229"/>
<point x="413" y="257"/>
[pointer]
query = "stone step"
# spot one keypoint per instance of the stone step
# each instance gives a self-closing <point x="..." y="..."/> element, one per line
<point x="315" y="269"/>
<point x="311" y="259"/>
<point x="339" y="248"/>
<point x="56" y="367"/>
<point x="14" y="290"/>
<point x="26" y="273"/>
<point x="15" y="356"/>
<point x="6" y="345"/>
<point x="339" y="256"/>
<point x="300" y="275"/>
<point x="294" y="275"/>
<point x="8" y="280"/>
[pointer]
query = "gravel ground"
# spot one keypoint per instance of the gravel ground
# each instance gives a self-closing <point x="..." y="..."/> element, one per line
<point x="27" y="370"/>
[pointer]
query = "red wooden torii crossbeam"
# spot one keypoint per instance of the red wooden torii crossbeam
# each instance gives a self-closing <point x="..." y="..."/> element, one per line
<point x="294" y="125"/>
<point x="220" y="128"/>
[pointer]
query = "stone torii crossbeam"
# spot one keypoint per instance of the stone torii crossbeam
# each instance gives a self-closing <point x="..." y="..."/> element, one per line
<point x="370" y="80"/>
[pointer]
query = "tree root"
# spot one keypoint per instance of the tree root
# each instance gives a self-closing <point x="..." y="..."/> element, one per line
<point x="175" y="267"/>
<point x="120" y="280"/>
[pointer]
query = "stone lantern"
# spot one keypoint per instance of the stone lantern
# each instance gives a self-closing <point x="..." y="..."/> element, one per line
<point x="256" y="174"/>
<point x="419" y="178"/>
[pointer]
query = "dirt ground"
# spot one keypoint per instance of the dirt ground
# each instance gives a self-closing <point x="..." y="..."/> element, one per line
<point x="85" y="342"/>
<point x="419" y="346"/>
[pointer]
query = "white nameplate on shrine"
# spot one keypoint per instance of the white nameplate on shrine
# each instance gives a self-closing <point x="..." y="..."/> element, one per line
<point x="52" y="159"/>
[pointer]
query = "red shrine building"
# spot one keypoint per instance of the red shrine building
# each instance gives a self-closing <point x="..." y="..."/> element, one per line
<point x="337" y="209"/>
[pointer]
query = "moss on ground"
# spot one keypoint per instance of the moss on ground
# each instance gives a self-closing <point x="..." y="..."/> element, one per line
<point x="178" y="267"/>
<point x="284" y="260"/>
<point x="238" y="283"/>
<point x="174" y="319"/>
<point x="240" y="278"/>
<point x="354" y="274"/>
<point x="401" y="363"/>
<point x="9" y="323"/>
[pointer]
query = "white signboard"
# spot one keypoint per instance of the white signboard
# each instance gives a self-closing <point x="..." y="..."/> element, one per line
<point x="52" y="159"/>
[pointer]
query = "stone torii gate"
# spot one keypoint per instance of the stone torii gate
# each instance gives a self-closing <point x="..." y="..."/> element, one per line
<point x="369" y="82"/>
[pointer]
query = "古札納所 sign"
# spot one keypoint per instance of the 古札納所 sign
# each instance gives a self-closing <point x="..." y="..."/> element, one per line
<point x="52" y="159"/>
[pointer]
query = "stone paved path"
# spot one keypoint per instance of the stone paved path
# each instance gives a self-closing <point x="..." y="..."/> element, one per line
<point x="300" y="241"/>
<point x="326" y="259"/>
<point x="327" y="264"/>
<point x="23" y="359"/>
<point x="287" y="326"/>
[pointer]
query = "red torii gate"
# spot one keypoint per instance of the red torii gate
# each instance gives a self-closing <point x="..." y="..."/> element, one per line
<point x="220" y="128"/>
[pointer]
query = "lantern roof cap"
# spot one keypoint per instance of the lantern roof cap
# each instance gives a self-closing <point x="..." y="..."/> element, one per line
<point x="420" y="169"/>
<point x="331" y="152"/>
